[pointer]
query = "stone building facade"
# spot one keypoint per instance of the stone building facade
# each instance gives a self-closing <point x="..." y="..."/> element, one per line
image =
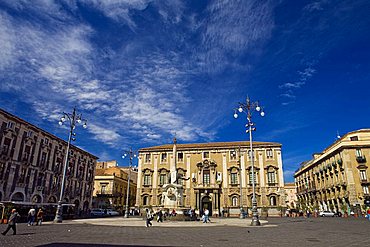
<point x="338" y="178"/>
<point x="31" y="166"/>
<point x="290" y="195"/>
<point x="110" y="188"/>
<point x="212" y="175"/>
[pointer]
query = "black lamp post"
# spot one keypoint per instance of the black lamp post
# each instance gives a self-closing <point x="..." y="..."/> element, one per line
<point x="73" y="119"/>
<point x="248" y="108"/>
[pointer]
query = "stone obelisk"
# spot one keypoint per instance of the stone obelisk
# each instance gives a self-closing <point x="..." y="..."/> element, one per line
<point x="172" y="193"/>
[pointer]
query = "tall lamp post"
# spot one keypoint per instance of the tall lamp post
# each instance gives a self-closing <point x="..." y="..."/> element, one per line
<point x="131" y="154"/>
<point x="73" y="119"/>
<point x="248" y="108"/>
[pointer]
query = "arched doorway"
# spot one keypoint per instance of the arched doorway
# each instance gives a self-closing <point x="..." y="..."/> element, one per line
<point x="206" y="204"/>
<point x="18" y="197"/>
<point x="36" y="199"/>
<point x="52" y="199"/>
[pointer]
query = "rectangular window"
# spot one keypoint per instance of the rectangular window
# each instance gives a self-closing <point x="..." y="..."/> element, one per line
<point x="29" y="133"/>
<point x="365" y="188"/>
<point x="10" y="125"/>
<point x="271" y="179"/>
<point x="358" y="153"/>
<point x="205" y="155"/>
<point x="354" y="138"/>
<point x="147" y="158"/>
<point x="46" y="141"/>
<point x="162" y="179"/>
<point x="103" y="188"/>
<point x="206" y="177"/>
<point x="249" y="154"/>
<point x="234" y="178"/>
<point x="147" y="180"/>
<point x="233" y="155"/>
<point x="180" y="157"/>
<point x="363" y="175"/>
<point x="251" y="177"/>
<point x="164" y="157"/>
<point x="269" y="153"/>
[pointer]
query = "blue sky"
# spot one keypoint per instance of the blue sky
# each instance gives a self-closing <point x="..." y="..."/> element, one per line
<point x="141" y="71"/>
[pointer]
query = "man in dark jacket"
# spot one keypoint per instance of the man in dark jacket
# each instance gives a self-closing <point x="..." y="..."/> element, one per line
<point x="12" y="222"/>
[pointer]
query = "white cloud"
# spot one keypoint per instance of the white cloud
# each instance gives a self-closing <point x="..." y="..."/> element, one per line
<point x="304" y="76"/>
<point x="234" y="28"/>
<point x="102" y="133"/>
<point x="7" y="41"/>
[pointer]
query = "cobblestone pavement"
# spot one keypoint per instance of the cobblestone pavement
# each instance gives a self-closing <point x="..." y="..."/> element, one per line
<point x="225" y="232"/>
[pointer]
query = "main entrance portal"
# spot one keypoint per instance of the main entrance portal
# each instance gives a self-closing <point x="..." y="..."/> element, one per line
<point x="206" y="204"/>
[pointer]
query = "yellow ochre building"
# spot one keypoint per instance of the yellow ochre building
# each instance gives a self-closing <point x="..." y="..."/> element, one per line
<point x="213" y="175"/>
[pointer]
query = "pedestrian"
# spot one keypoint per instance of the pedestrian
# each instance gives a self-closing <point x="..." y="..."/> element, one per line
<point x="149" y="218"/>
<point x="31" y="216"/>
<point x="159" y="216"/>
<point x="12" y="222"/>
<point x="40" y="217"/>
<point x="368" y="213"/>
<point x="206" y="216"/>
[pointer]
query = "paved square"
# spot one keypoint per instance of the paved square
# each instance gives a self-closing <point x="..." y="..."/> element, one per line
<point x="283" y="232"/>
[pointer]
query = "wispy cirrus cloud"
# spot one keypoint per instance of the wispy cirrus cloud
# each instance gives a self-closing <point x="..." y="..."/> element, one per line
<point x="130" y="88"/>
<point x="289" y="88"/>
<point x="234" y="28"/>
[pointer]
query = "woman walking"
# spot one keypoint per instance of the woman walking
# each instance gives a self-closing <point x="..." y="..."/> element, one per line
<point x="149" y="218"/>
<point x="12" y="222"/>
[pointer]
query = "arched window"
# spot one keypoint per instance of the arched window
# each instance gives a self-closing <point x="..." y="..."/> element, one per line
<point x="235" y="201"/>
<point x="272" y="200"/>
<point x="145" y="200"/>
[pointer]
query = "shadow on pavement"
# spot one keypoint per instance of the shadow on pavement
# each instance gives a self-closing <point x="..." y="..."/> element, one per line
<point x="94" y="245"/>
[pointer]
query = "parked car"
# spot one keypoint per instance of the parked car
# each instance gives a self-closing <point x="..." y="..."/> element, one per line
<point x="112" y="212"/>
<point x="97" y="212"/>
<point x="326" y="214"/>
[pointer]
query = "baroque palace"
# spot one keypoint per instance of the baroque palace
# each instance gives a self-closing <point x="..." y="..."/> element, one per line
<point x="337" y="179"/>
<point x="31" y="166"/>
<point x="213" y="175"/>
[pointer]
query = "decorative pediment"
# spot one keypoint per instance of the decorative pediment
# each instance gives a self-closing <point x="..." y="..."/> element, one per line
<point x="233" y="168"/>
<point x="207" y="164"/>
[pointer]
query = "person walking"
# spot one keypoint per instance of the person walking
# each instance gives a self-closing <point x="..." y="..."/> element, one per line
<point x="31" y="216"/>
<point x="368" y="213"/>
<point x="40" y="217"/>
<point x="149" y="218"/>
<point x="159" y="216"/>
<point x="12" y="222"/>
<point x="206" y="216"/>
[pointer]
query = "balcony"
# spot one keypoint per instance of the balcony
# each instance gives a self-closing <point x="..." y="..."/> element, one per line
<point x="364" y="181"/>
<point x="361" y="159"/>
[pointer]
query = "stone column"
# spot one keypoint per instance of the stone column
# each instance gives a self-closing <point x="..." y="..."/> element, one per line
<point x="262" y="170"/>
<point x="224" y="171"/>
<point x="155" y="179"/>
<point x="139" y="181"/>
<point x="280" y="171"/>
<point x="17" y="148"/>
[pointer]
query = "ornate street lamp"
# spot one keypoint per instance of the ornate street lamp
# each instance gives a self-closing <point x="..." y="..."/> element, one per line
<point x="73" y="119"/>
<point x="248" y="108"/>
<point x="131" y="154"/>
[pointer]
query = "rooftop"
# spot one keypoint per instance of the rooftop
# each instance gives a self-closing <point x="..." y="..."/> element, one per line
<point x="210" y="145"/>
